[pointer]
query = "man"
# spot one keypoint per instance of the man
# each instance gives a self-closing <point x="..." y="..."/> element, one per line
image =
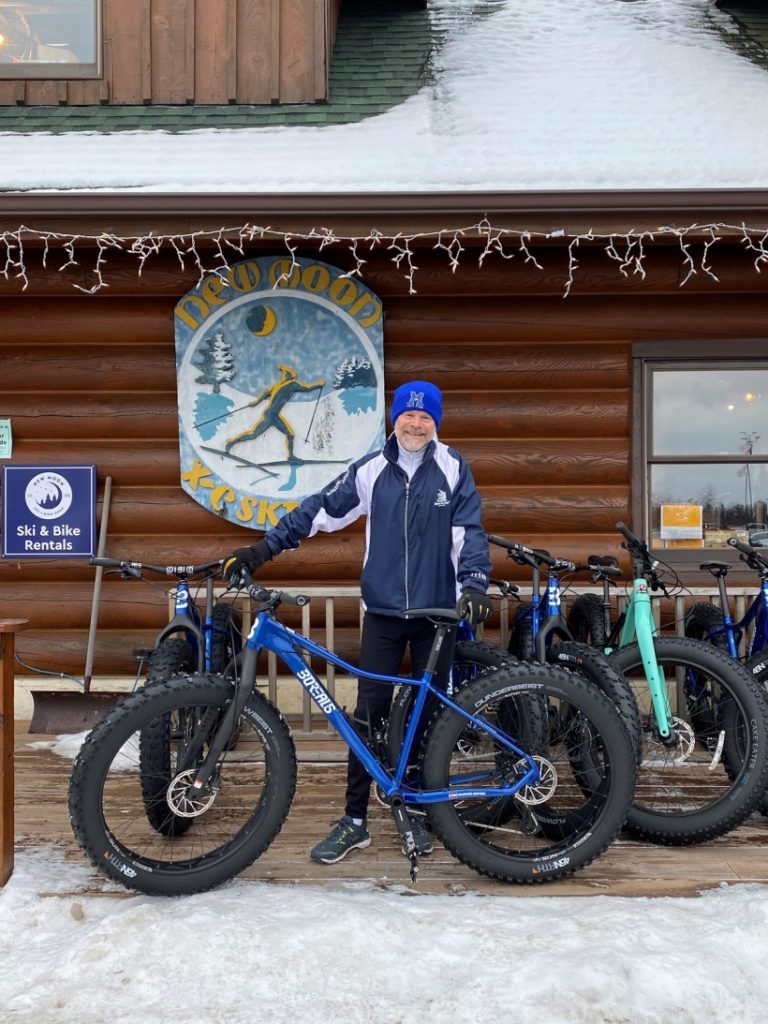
<point x="425" y="547"/>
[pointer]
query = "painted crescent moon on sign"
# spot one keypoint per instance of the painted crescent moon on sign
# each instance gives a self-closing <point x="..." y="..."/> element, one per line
<point x="261" y="321"/>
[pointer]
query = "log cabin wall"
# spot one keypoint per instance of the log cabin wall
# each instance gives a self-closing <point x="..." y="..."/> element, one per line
<point x="201" y="52"/>
<point x="537" y="395"/>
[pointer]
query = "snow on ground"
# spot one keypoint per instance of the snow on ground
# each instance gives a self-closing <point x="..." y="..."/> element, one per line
<point x="355" y="954"/>
<point x="548" y="95"/>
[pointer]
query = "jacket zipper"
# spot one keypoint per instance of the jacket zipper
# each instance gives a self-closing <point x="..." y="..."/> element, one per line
<point x="407" y="497"/>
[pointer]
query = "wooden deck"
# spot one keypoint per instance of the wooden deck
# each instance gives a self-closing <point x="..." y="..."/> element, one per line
<point x="627" y="869"/>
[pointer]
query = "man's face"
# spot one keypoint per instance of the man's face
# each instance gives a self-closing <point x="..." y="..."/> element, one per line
<point x="414" y="430"/>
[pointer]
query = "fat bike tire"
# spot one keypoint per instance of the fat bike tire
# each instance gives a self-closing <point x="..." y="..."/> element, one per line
<point x="520" y="643"/>
<point x="172" y="657"/>
<point x="227" y="641"/>
<point x="516" y="849"/>
<point x="685" y="798"/>
<point x="252" y="792"/>
<point x="586" y="620"/>
<point x="525" y="719"/>
<point x="757" y="666"/>
<point x="600" y="671"/>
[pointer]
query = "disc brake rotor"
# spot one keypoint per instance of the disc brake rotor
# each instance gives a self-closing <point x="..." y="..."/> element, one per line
<point x="541" y="791"/>
<point x="181" y="799"/>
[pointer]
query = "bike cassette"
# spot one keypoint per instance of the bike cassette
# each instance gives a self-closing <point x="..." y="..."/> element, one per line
<point x="184" y="801"/>
<point x="542" y="790"/>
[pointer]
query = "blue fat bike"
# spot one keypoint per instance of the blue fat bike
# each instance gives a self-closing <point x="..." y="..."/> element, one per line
<point x="705" y="621"/>
<point x="237" y="799"/>
<point x="200" y="637"/>
<point x="540" y="633"/>
<point x="704" y="765"/>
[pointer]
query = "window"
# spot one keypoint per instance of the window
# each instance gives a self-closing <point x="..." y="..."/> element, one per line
<point x="54" y="39"/>
<point x="706" y="453"/>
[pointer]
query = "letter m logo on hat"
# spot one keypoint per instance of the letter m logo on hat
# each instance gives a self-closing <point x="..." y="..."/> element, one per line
<point x="416" y="400"/>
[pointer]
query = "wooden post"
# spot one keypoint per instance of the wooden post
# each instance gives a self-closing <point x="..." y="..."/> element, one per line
<point x="8" y="629"/>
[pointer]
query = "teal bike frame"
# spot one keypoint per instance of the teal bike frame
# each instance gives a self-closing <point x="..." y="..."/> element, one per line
<point x="638" y="624"/>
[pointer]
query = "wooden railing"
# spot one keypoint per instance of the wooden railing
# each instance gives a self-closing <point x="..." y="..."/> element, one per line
<point x="668" y="612"/>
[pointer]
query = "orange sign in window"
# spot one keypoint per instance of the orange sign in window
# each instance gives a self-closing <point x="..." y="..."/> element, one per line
<point x="682" y="522"/>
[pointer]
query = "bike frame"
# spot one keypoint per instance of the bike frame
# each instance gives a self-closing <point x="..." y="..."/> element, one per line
<point x="733" y="631"/>
<point x="545" y="613"/>
<point x="637" y="623"/>
<point x="187" y="620"/>
<point x="269" y="634"/>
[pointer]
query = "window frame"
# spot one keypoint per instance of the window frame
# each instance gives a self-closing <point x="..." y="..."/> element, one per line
<point x="63" y="71"/>
<point x="648" y="357"/>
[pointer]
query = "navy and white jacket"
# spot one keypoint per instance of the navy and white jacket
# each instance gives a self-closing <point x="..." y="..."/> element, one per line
<point x="424" y="539"/>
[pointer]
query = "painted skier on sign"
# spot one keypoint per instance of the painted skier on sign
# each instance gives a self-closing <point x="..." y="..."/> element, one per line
<point x="278" y="396"/>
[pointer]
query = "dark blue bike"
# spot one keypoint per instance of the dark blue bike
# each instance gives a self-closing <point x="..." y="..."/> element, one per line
<point x="236" y="799"/>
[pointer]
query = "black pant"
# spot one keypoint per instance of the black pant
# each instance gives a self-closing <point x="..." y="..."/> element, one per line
<point x="382" y="647"/>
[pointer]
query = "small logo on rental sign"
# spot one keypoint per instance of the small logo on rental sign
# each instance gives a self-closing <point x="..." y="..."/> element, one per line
<point x="48" y="495"/>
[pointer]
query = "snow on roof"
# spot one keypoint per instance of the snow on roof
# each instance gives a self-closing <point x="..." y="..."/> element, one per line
<point x="552" y="95"/>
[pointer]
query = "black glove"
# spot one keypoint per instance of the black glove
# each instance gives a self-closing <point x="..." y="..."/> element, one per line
<point x="473" y="606"/>
<point x="246" y="560"/>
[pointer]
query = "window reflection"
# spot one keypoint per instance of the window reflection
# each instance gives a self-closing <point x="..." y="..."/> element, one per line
<point x="38" y="34"/>
<point x="709" y="412"/>
<point x="733" y="499"/>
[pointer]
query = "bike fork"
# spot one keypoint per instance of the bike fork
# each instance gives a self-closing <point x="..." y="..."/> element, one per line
<point x="640" y="622"/>
<point x="201" y="784"/>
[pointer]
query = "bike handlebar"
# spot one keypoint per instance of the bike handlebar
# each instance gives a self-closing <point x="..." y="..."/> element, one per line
<point x="272" y="598"/>
<point x="522" y="554"/>
<point x="604" y="566"/>
<point x="748" y="554"/>
<point x="536" y="557"/>
<point x="162" y="570"/>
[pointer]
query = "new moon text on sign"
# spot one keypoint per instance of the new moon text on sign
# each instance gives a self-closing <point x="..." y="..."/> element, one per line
<point x="49" y="511"/>
<point x="280" y="384"/>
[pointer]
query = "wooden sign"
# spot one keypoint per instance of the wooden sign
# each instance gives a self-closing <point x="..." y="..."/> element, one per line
<point x="280" y="384"/>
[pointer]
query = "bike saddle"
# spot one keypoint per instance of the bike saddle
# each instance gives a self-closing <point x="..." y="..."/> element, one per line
<point x="716" y="568"/>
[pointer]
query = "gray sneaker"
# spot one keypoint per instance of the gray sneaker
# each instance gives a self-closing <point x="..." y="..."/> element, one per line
<point x="344" y="836"/>
<point x="421" y="837"/>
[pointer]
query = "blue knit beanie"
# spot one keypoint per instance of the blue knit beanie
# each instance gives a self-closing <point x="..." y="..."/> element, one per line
<point x="418" y="395"/>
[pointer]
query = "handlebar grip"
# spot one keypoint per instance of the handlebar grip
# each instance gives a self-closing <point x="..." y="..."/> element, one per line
<point x="602" y="560"/>
<point x="627" y="534"/>
<point x="500" y="542"/>
<point x="745" y="549"/>
<point x="107" y="563"/>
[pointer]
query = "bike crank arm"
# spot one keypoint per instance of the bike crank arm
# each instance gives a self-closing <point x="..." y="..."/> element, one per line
<point x="403" y="823"/>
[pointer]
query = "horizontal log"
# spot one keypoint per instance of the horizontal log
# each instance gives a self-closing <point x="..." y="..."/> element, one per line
<point x="85" y="320"/>
<point x="106" y="367"/>
<point x="161" y="510"/>
<point x="127" y="604"/>
<point x="504" y="364"/>
<point x="150" y="463"/>
<point x="102" y="368"/>
<point x="327" y="559"/>
<point x="686" y="316"/>
<point x="582" y="461"/>
<point x="479" y="414"/>
<point x="547" y="509"/>
<point x="64" y="650"/>
<point x="144" y="462"/>
<point x="61" y="416"/>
